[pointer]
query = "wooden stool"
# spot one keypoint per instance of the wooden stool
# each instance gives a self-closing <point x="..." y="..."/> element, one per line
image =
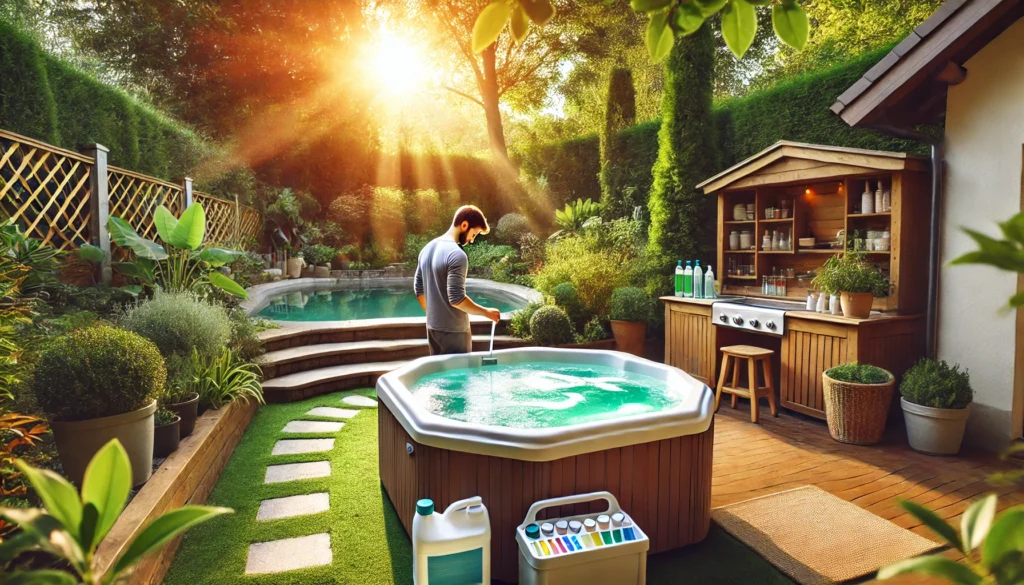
<point x="733" y="354"/>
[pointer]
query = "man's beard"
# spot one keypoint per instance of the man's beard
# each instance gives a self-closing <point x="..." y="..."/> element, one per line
<point x="463" y="236"/>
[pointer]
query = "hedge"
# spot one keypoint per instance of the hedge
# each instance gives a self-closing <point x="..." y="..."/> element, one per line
<point x="50" y="100"/>
<point x="619" y="114"/>
<point x="795" y="110"/>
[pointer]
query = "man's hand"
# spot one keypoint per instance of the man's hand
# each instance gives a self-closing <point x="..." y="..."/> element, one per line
<point x="493" y="314"/>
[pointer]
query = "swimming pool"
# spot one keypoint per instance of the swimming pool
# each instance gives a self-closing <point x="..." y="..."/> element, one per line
<point x="336" y="300"/>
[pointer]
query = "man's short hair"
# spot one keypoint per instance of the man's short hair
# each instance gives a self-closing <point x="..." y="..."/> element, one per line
<point x="473" y="215"/>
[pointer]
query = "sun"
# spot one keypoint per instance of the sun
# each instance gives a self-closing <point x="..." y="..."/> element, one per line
<point x="399" y="65"/>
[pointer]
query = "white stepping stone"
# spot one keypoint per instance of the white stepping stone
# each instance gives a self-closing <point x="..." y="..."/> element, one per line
<point x="293" y="506"/>
<point x="299" y="446"/>
<point x="278" y="556"/>
<point x="297" y="471"/>
<point x="360" y="401"/>
<point x="331" y="412"/>
<point x="312" y="426"/>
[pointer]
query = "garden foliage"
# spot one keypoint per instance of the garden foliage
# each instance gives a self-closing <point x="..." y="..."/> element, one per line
<point x="859" y="374"/>
<point x="632" y="304"/>
<point x="510" y="229"/>
<point x="550" y="326"/>
<point x="936" y="384"/>
<point x="620" y="113"/>
<point x="519" y="323"/>
<point x="179" y="323"/>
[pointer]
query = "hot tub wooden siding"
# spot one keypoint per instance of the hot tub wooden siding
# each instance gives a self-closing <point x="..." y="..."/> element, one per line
<point x="664" y="485"/>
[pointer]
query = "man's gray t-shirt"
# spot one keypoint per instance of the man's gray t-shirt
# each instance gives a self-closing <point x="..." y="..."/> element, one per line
<point x="441" y="276"/>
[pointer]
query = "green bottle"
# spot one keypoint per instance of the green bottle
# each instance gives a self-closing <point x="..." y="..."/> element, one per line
<point x="679" y="279"/>
<point x="688" y="280"/>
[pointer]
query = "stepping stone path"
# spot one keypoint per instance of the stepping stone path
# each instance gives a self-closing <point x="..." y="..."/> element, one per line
<point x="293" y="506"/>
<point x="288" y="554"/>
<point x="331" y="412"/>
<point x="312" y="426"/>
<point x="299" y="446"/>
<point x="360" y="401"/>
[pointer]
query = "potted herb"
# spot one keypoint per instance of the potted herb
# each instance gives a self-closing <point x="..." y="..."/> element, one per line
<point x="319" y="257"/>
<point x="936" y="399"/>
<point x="855" y="281"/>
<point x="631" y="309"/>
<point x="857" y="399"/>
<point x="166" y="433"/>
<point x="98" y="384"/>
<point x="184" y="403"/>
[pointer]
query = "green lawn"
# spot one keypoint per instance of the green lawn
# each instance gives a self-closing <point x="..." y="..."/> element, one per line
<point x="369" y="544"/>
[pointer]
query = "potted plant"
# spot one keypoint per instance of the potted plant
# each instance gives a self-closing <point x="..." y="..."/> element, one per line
<point x="294" y="264"/>
<point x="97" y="384"/>
<point x="631" y="309"/>
<point x="855" y="281"/>
<point x="936" y="399"/>
<point x="183" y="403"/>
<point x="857" y="399"/>
<point x="166" y="433"/>
<point x="319" y="256"/>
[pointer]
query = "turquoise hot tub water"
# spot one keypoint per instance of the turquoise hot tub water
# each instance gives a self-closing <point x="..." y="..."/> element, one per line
<point x="541" y="394"/>
<point x="366" y="303"/>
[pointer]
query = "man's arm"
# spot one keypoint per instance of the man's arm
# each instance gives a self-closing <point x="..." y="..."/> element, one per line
<point x="458" y="266"/>
<point x="417" y="287"/>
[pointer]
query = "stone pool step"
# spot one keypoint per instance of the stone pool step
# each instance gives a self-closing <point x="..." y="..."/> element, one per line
<point x="300" y="334"/>
<point x="309" y="357"/>
<point x="302" y="385"/>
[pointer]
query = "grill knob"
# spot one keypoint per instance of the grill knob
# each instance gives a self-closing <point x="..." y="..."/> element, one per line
<point x="754" y="323"/>
<point x="723" y="318"/>
<point x="770" y="325"/>
<point x="737" y="320"/>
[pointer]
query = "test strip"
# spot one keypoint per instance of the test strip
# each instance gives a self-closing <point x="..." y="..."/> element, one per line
<point x="596" y="537"/>
<point x="544" y="546"/>
<point x="577" y="543"/>
<point x="568" y="543"/>
<point x="606" y="537"/>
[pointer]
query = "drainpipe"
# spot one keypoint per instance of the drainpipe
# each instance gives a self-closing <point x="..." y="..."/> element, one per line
<point x="931" y="307"/>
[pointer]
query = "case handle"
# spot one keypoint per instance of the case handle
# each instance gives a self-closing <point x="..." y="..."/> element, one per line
<point x="456" y="506"/>
<point x="531" y="514"/>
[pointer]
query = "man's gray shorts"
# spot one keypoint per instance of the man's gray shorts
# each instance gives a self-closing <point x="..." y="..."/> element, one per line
<point x="448" y="342"/>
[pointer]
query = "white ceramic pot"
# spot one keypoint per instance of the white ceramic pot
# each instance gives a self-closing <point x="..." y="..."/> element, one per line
<point x="935" y="431"/>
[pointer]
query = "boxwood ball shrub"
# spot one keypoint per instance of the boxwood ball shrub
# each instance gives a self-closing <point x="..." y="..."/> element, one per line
<point x="632" y="304"/>
<point x="98" y="372"/>
<point x="937" y="384"/>
<point x="510" y="229"/>
<point x="859" y="374"/>
<point x="566" y="297"/>
<point x="179" y="322"/>
<point x="550" y="325"/>
<point x="519" y="324"/>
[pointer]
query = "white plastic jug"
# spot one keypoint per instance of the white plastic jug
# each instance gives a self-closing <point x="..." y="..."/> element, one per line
<point x="452" y="548"/>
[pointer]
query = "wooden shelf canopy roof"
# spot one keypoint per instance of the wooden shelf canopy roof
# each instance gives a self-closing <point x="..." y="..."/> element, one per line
<point x="796" y="162"/>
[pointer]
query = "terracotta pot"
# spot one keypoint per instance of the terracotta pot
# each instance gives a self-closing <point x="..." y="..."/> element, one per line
<point x="78" y="441"/>
<point x="856" y="305"/>
<point x="935" y="431"/>
<point x="187" y="411"/>
<point x="629" y="336"/>
<point x="166" y="438"/>
<point x="322" y="271"/>
<point x="293" y="267"/>
<point x="856" y="413"/>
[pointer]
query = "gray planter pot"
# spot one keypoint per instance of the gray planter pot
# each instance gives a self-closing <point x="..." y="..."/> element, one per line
<point x="935" y="431"/>
<point x="78" y="441"/>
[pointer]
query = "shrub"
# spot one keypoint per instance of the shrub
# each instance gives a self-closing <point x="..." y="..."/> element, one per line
<point x="519" y="324"/>
<point x="97" y="372"/>
<point x="164" y="417"/>
<point x="850" y="273"/>
<point x="936" y="384"/>
<point x="245" y="341"/>
<point x="248" y="270"/>
<point x="566" y="297"/>
<point x="593" y="331"/>
<point x="414" y="244"/>
<point x="510" y="229"/>
<point x="632" y="304"/>
<point x="224" y="378"/>
<point x="318" y="254"/>
<point x="859" y="374"/>
<point x="485" y="255"/>
<point x="180" y="322"/>
<point x="593" y="271"/>
<point x="549" y="326"/>
<point x="619" y="114"/>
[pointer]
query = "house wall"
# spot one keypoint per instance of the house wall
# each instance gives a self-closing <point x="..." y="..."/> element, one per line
<point x="983" y="142"/>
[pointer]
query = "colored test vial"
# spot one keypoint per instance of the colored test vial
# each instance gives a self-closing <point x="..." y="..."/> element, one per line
<point x="627" y="530"/>
<point x="589" y="525"/>
<point x="603" y="521"/>
<point x="547" y="528"/>
<point x="575" y="526"/>
<point x="532" y="531"/>
<point x="617" y="518"/>
<point x="561" y="527"/>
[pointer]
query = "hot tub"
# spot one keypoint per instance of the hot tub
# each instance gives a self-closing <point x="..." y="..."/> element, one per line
<point x="545" y="423"/>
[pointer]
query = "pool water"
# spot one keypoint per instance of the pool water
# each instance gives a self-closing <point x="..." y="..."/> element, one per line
<point x="367" y="303"/>
<point x="541" y="394"/>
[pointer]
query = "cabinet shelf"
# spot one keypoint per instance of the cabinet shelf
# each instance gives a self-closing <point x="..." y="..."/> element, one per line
<point x="738" y="251"/>
<point x="775" y="252"/>
<point x="880" y="214"/>
<point x="819" y="251"/>
<point x="741" y="277"/>
<point x="746" y="221"/>
<point x="777" y="220"/>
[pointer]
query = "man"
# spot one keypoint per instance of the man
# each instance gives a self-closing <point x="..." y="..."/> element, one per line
<point x="440" y="285"/>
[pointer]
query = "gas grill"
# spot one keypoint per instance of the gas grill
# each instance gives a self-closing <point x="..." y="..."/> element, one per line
<point x="765" y="316"/>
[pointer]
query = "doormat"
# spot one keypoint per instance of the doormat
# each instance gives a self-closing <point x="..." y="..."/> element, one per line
<point x="817" y="538"/>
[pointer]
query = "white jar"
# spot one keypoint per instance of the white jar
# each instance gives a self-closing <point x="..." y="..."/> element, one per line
<point x="734" y="240"/>
<point x="867" y="201"/>
<point x="739" y="212"/>
<point x="745" y="241"/>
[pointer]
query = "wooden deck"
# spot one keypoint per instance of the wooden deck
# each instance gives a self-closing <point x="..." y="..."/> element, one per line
<point x="791" y="451"/>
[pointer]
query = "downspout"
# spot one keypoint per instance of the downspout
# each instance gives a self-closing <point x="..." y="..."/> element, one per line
<point x="932" y="302"/>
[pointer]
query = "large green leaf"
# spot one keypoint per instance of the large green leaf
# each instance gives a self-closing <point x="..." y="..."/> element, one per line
<point x="791" y="24"/>
<point x="106" y="484"/>
<point x="15" y="544"/>
<point x="135" y="269"/>
<point x="710" y="7"/>
<point x="977" y="520"/>
<point x="687" y="18"/>
<point x="937" y="566"/>
<point x="539" y="11"/>
<point x="191" y="228"/>
<point x="1006" y="536"/>
<point x="659" y="37"/>
<point x="739" y="26"/>
<point x="935" y="523"/>
<point x="166" y="223"/>
<point x="227" y="285"/>
<point x="47" y="532"/>
<point x="58" y="495"/>
<point x="42" y="577"/>
<point x="649" y="5"/>
<point x="489" y="24"/>
<point x="91" y="253"/>
<point x="123" y="235"/>
<point x="162" y="530"/>
<point x="218" y="257"/>
<point x="519" y="25"/>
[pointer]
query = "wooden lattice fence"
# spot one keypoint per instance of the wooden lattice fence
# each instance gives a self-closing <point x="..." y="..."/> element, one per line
<point x="49" y="192"/>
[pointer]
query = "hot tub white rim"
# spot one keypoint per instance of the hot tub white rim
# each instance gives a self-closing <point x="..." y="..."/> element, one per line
<point x="690" y="417"/>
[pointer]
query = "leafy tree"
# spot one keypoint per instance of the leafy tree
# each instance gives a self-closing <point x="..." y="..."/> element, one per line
<point x="686" y="151"/>
<point x="620" y="114"/>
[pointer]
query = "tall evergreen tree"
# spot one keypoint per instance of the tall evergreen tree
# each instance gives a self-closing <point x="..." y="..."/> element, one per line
<point x="686" y="153"/>
<point x="619" y="114"/>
